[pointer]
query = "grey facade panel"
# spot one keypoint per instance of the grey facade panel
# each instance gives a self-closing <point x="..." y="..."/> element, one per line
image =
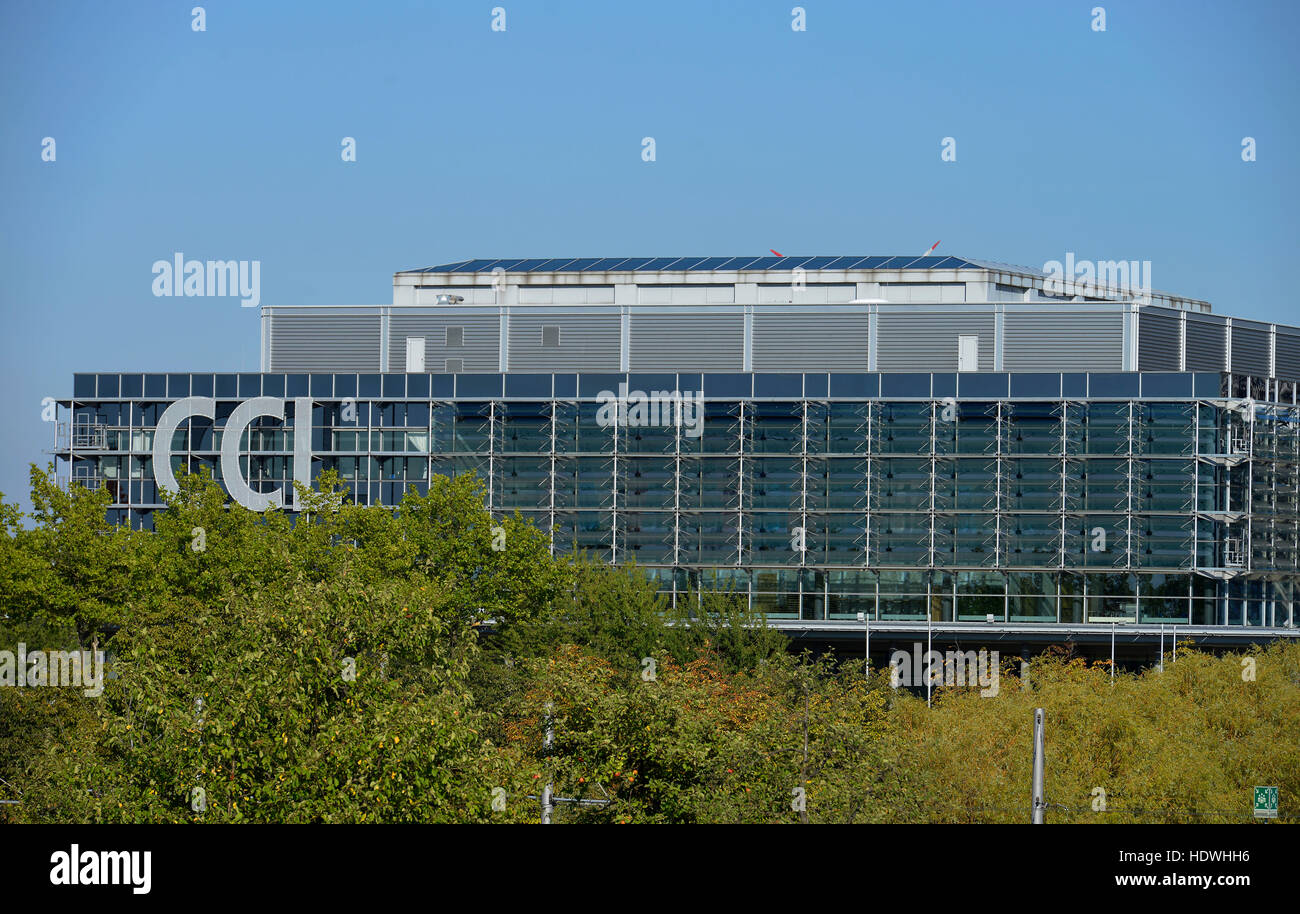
<point x="588" y="342"/>
<point x="1159" y="332"/>
<point x="1206" y="343"/>
<point x="323" y="342"/>
<point x="1288" y="355"/>
<point x="923" y="340"/>
<point x="1059" y="340"/>
<point x="810" y="341"/>
<point x="481" y="335"/>
<point x="1250" y="346"/>
<point x="686" y="342"/>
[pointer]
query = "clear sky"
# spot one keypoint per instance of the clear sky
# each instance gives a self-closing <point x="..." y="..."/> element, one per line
<point x="470" y="142"/>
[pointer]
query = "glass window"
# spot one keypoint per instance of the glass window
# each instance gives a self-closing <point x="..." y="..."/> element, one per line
<point x="1035" y="386"/>
<point x="590" y="386"/>
<point x="566" y="386"/>
<point x="395" y="385"/>
<point x="1206" y="384"/>
<point x="1074" y="385"/>
<point x="858" y="386"/>
<point x="417" y="385"/>
<point x="778" y="385"/>
<point x="441" y="386"/>
<point x="982" y="384"/>
<point x="1167" y="384"/>
<point x="1123" y="384"/>
<point x="479" y="385"/>
<point x="902" y="385"/>
<point x="728" y="386"/>
<point x="531" y="385"/>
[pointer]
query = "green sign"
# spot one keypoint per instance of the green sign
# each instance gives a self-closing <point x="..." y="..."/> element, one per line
<point x="1265" y="802"/>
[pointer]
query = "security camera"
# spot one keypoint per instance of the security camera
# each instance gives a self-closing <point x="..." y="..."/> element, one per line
<point x="450" y="299"/>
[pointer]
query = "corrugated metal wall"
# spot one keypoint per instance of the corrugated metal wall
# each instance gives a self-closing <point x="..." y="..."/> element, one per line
<point x="588" y="342"/>
<point x="923" y="336"/>
<point x="1159" y="333"/>
<point x="311" y="340"/>
<point x="809" y="340"/>
<point x="1036" y="337"/>
<point x="481" y="334"/>
<point x="1288" y="354"/>
<point x="1250" y="346"/>
<point x="1052" y="339"/>
<point x="686" y="342"/>
<point x="1206" y="342"/>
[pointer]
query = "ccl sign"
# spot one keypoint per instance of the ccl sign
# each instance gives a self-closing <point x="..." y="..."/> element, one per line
<point x="235" y="427"/>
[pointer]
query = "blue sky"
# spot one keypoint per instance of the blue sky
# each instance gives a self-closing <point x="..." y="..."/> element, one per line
<point x="225" y="144"/>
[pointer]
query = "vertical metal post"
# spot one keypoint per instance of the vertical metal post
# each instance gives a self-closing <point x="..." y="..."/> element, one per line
<point x="929" y="646"/>
<point x="866" y="642"/>
<point x="1162" y="647"/>
<point x="547" y="803"/>
<point x="1039" y="803"/>
<point x="1112" y="653"/>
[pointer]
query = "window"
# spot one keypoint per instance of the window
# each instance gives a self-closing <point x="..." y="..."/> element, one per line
<point x="455" y="366"/>
<point x="550" y="337"/>
<point x="455" y="336"/>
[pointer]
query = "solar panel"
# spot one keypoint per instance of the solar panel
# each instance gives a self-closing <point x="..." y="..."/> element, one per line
<point x="704" y="264"/>
<point x="816" y="263"/>
<point x="711" y="263"/>
<point x="868" y="263"/>
<point x="657" y="263"/>
<point x="606" y="263"/>
<point x="786" y="263"/>
<point x="841" y="263"/>
<point x="738" y="263"/>
<point x="689" y="263"/>
<point x="581" y="265"/>
<point x="949" y="263"/>
<point x="550" y="266"/>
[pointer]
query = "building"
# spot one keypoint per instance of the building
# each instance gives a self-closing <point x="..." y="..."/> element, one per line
<point x="932" y="442"/>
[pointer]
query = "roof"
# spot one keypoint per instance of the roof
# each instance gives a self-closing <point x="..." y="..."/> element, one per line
<point x="707" y="264"/>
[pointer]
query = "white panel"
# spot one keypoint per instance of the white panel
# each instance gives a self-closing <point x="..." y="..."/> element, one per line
<point x="529" y="296"/>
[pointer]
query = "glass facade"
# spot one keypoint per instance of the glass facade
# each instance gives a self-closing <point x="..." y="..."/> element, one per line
<point x="1028" y="498"/>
